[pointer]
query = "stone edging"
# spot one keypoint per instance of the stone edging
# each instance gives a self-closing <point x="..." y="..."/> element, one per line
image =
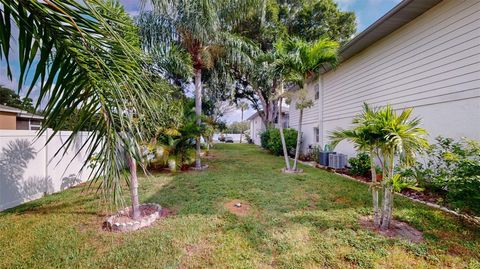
<point x="204" y="167"/>
<point x="133" y="225"/>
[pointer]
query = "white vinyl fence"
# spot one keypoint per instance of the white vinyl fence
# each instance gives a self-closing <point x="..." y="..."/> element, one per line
<point x="235" y="137"/>
<point x="29" y="169"/>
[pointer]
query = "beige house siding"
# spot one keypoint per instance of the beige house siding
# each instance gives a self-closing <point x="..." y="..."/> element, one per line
<point x="431" y="64"/>
<point x="8" y="121"/>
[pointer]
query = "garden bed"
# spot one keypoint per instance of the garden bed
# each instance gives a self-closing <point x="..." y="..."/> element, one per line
<point x="425" y="197"/>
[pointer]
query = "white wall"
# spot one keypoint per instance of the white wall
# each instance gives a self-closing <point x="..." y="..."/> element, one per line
<point x="256" y="128"/>
<point x="28" y="168"/>
<point x="431" y="64"/>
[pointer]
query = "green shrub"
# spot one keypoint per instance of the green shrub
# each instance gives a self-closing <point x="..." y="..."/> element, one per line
<point x="360" y="165"/>
<point x="264" y="137"/>
<point x="275" y="143"/>
<point x="453" y="168"/>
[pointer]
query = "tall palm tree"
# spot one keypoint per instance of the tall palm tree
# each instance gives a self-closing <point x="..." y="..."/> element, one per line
<point x="280" y="63"/>
<point x="199" y="27"/>
<point x="242" y="106"/>
<point x="305" y="59"/>
<point x="82" y="57"/>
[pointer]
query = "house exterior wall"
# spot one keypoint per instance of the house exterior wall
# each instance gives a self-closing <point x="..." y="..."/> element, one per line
<point x="8" y="121"/>
<point x="431" y="64"/>
<point x="256" y="128"/>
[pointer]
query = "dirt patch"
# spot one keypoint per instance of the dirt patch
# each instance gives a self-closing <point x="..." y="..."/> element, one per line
<point x="397" y="229"/>
<point x="286" y="171"/>
<point x="242" y="210"/>
<point x="341" y="200"/>
<point x="313" y="199"/>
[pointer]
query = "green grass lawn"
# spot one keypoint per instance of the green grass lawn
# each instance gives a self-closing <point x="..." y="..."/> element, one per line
<point x="295" y="221"/>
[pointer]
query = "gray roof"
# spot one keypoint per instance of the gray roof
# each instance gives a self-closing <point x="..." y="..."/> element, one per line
<point x="4" y="108"/>
<point x="20" y="113"/>
<point x="403" y="13"/>
<point x="285" y="110"/>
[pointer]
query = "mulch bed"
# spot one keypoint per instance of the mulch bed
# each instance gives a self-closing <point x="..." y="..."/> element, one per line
<point x="425" y="195"/>
<point x="397" y="229"/>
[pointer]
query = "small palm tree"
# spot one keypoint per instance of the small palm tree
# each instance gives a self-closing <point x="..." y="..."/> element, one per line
<point x="403" y="138"/>
<point x="365" y="139"/>
<point x="385" y="135"/>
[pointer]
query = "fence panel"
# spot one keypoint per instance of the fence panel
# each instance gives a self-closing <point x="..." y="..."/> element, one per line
<point x="29" y="169"/>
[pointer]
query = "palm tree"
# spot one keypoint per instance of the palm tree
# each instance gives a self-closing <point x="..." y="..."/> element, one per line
<point x="365" y="139"/>
<point x="385" y="135"/>
<point x="280" y="127"/>
<point x="199" y="28"/>
<point x="403" y="138"/>
<point x="83" y="58"/>
<point x="305" y="59"/>
<point x="242" y="106"/>
<point x="279" y="63"/>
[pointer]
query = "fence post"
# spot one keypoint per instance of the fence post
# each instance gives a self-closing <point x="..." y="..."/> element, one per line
<point x="46" y="161"/>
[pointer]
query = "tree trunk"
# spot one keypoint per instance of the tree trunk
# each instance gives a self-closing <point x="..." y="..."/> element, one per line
<point x="376" y="211"/>
<point x="241" y="129"/>
<point x="198" y="112"/>
<point x="387" y="208"/>
<point x="282" y="136"/>
<point x="134" y="188"/>
<point x="387" y="203"/>
<point x="299" y="139"/>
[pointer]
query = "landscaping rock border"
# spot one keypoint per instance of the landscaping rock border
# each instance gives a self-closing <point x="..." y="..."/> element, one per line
<point x="204" y="167"/>
<point x="113" y="224"/>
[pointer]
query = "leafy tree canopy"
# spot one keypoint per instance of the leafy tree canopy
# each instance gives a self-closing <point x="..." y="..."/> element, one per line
<point x="237" y="127"/>
<point x="305" y="19"/>
<point x="8" y="97"/>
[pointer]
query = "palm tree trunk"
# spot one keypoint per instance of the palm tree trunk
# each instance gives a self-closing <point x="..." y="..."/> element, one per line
<point x="299" y="139"/>
<point x="198" y="112"/>
<point x="134" y="188"/>
<point x="387" y="208"/>
<point x="387" y="203"/>
<point x="376" y="213"/>
<point x="282" y="136"/>
<point x="241" y="129"/>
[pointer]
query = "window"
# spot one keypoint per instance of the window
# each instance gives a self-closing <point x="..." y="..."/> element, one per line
<point x="316" y="134"/>
<point x="285" y="120"/>
<point x="317" y="92"/>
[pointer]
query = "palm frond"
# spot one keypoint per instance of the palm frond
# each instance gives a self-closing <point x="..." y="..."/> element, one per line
<point x="83" y="62"/>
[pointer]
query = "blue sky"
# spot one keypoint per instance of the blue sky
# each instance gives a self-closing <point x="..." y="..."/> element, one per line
<point x="367" y="11"/>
